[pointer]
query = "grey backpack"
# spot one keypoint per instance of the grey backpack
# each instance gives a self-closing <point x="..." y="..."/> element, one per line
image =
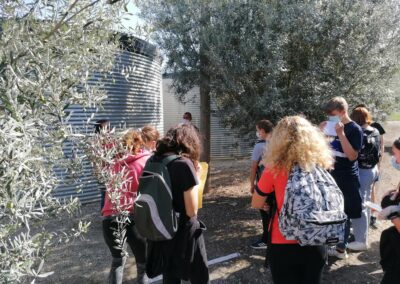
<point x="155" y="217"/>
<point x="313" y="209"/>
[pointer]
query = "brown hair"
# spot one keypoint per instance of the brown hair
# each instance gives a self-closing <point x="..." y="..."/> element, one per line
<point x="182" y="140"/>
<point x="266" y="125"/>
<point x="361" y="116"/>
<point x="133" y="141"/>
<point x="336" y="103"/>
<point x="149" y="133"/>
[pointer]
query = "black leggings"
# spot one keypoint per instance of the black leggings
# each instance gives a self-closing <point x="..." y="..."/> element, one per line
<point x="295" y="264"/>
<point x="136" y="242"/>
<point x="265" y="225"/>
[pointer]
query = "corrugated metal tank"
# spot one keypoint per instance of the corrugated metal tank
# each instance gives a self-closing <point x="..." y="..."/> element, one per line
<point x="132" y="101"/>
<point x="225" y="143"/>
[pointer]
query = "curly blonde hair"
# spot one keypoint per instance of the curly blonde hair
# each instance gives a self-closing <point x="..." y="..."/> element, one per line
<point x="132" y="141"/>
<point x="296" y="141"/>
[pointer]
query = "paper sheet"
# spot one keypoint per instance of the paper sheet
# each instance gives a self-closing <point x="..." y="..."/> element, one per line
<point x="202" y="181"/>
<point x="329" y="129"/>
<point x="373" y="206"/>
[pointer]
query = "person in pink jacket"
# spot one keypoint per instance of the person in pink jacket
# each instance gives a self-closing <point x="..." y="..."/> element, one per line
<point x="118" y="222"/>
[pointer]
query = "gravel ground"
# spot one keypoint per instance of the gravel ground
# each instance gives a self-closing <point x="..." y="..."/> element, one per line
<point x="232" y="226"/>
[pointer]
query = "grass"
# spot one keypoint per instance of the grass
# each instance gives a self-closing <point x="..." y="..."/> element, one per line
<point x="394" y="116"/>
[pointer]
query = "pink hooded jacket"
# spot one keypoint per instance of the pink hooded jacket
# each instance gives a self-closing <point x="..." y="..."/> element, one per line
<point x="133" y="167"/>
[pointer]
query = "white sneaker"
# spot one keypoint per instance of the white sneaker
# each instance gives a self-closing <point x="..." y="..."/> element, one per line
<point x="357" y="246"/>
<point x="332" y="251"/>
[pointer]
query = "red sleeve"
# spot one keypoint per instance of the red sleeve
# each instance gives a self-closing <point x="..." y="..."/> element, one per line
<point x="134" y="180"/>
<point x="265" y="184"/>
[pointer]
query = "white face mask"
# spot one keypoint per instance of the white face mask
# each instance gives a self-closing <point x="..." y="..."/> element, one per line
<point x="185" y="121"/>
<point x="395" y="164"/>
<point x="334" y="118"/>
<point x="258" y="135"/>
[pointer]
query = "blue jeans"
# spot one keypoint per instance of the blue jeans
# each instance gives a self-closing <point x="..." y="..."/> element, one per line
<point x="343" y="246"/>
<point x="360" y="225"/>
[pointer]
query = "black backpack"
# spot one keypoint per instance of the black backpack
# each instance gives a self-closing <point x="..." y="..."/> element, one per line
<point x="155" y="217"/>
<point x="370" y="152"/>
<point x="260" y="167"/>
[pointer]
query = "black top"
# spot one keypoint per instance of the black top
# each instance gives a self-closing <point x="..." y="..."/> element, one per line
<point x="343" y="165"/>
<point x="390" y="255"/>
<point x="379" y="127"/>
<point x="183" y="177"/>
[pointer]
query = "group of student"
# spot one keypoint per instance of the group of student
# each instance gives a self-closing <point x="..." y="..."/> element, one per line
<point x="294" y="160"/>
<point x="175" y="261"/>
<point x="282" y="160"/>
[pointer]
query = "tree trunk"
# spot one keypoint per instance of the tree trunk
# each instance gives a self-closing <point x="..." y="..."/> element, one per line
<point x="205" y="100"/>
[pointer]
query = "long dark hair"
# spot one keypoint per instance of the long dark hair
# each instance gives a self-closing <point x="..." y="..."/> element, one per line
<point x="396" y="143"/>
<point x="182" y="140"/>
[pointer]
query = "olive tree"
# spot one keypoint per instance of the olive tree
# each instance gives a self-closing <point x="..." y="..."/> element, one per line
<point x="268" y="59"/>
<point x="48" y="49"/>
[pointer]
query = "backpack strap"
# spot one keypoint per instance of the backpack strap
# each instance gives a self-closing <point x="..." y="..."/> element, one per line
<point x="168" y="159"/>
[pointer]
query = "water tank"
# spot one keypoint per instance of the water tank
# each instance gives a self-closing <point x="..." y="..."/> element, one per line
<point x="133" y="100"/>
<point x="225" y="143"/>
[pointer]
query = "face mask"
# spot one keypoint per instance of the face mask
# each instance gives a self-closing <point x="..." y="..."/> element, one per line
<point x="334" y="118"/>
<point x="395" y="164"/>
<point x="258" y="135"/>
<point x="185" y="121"/>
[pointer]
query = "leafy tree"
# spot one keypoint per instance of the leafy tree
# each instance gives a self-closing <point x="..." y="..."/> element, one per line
<point x="182" y="30"/>
<point x="48" y="50"/>
<point x="275" y="58"/>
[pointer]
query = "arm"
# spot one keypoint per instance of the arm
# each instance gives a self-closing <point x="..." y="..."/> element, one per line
<point x="351" y="154"/>
<point x="348" y="150"/>
<point x="258" y="201"/>
<point x="253" y="171"/>
<point x="265" y="186"/>
<point x="191" y="199"/>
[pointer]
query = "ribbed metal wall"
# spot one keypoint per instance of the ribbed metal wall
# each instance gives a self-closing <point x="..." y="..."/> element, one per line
<point x="225" y="143"/>
<point x="132" y="101"/>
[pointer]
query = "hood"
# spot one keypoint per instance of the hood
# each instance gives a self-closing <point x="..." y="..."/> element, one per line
<point x="131" y="158"/>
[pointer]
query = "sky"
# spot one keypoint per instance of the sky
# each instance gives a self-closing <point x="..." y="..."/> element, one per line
<point x="132" y="21"/>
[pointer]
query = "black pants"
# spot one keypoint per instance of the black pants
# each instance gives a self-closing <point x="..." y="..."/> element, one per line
<point x="295" y="264"/>
<point x="103" y="191"/>
<point x="265" y="224"/>
<point x="136" y="242"/>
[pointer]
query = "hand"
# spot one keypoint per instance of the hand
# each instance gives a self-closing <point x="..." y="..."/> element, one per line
<point x="266" y="207"/>
<point x="392" y="193"/>
<point x="339" y="127"/>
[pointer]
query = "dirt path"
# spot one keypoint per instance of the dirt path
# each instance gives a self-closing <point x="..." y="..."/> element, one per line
<point x="232" y="226"/>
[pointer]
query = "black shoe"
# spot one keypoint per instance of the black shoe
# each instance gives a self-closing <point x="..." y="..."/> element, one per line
<point x="372" y="221"/>
<point x="259" y="245"/>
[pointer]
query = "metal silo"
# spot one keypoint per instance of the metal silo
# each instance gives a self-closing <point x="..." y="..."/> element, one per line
<point x="133" y="100"/>
<point x="225" y="143"/>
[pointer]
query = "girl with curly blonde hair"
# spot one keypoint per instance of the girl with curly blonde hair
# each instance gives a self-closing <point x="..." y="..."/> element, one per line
<point x="294" y="141"/>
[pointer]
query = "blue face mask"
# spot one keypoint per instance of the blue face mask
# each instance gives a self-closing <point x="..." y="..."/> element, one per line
<point x="395" y="164"/>
<point x="334" y="118"/>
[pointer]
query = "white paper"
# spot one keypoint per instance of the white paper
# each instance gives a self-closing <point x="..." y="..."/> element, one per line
<point x="373" y="206"/>
<point x="329" y="129"/>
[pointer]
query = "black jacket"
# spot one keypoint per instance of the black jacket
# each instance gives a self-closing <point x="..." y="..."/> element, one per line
<point x="390" y="255"/>
<point x="183" y="257"/>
